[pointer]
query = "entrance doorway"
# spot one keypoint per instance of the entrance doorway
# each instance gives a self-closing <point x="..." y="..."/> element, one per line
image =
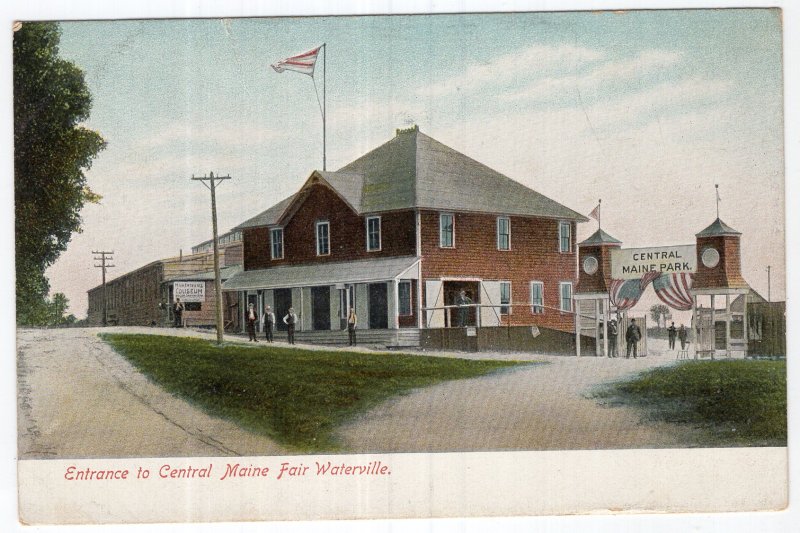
<point x="452" y="289"/>
<point x="283" y="301"/>
<point x="378" y="306"/>
<point x="347" y="299"/>
<point x="321" y="308"/>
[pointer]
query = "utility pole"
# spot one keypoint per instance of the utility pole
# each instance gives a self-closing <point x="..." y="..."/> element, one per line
<point x="769" y="284"/>
<point x="104" y="257"/>
<point x="212" y="186"/>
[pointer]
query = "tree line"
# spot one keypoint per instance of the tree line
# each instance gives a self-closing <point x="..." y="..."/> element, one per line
<point x="52" y="152"/>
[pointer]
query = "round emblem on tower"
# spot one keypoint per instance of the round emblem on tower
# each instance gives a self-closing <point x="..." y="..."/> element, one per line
<point x="590" y="265"/>
<point x="710" y="257"/>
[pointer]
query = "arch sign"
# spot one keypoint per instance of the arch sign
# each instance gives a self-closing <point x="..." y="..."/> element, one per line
<point x="635" y="263"/>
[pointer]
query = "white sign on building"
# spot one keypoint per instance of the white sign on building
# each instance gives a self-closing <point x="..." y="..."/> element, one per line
<point x="189" y="291"/>
<point x="633" y="263"/>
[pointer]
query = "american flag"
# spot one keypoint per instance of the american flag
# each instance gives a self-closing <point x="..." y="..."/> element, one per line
<point x="625" y="293"/>
<point x="647" y="278"/>
<point x="302" y="63"/>
<point x="673" y="290"/>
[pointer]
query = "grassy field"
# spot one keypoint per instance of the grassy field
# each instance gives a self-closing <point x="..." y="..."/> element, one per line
<point x="736" y="402"/>
<point x="296" y="397"/>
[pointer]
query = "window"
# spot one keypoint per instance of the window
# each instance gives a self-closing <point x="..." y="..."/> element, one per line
<point x="446" y="232"/>
<point x="566" y="295"/>
<point x="503" y="233"/>
<point x="323" y="238"/>
<point x="564" y="237"/>
<point x="537" y="297"/>
<point x="404" y="298"/>
<point x="505" y="297"/>
<point x="277" y="243"/>
<point x="373" y="234"/>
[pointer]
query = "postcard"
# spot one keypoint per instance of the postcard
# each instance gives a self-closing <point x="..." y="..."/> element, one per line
<point x="386" y="266"/>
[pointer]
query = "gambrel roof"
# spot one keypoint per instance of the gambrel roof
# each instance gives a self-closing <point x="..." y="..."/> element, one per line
<point x="414" y="171"/>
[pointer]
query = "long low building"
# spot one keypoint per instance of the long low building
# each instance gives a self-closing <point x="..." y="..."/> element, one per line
<point x="144" y="297"/>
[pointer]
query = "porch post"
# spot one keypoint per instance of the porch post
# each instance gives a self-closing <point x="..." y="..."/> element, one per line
<point x="596" y="327"/>
<point x="577" y="317"/>
<point x="728" y="318"/>
<point x="696" y="325"/>
<point x="419" y="295"/>
<point x="606" y="312"/>
<point x="396" y="320"/>
<point x="713" y="329"/>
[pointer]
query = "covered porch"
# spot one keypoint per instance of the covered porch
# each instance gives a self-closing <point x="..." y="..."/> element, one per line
<point x="385" y="294"/>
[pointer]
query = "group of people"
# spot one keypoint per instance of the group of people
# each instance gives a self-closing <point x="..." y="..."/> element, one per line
<point x="290" y="320"/>
<point x="251" y="319"/>
<point x="634" y="334"/>
<point x="632" y="337"/>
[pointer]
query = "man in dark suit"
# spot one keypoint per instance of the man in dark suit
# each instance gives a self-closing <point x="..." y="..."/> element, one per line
<point x="671" y="332"/>
<point x="632" y="337"/>
<point x="252" y="319"/>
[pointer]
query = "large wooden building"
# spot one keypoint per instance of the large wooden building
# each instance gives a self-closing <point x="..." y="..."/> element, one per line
<point x="398" y="234"/>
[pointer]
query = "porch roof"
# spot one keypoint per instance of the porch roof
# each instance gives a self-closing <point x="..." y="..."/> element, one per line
<point x="363" y="271"/>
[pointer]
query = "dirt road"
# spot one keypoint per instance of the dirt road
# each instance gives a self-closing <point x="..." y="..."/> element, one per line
<point x="79" y="398"/>
<point x="541" y="407"/>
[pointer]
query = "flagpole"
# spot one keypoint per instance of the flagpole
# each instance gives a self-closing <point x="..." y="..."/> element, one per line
<point x="599" y="204"/>
<point x="716" y="186"/>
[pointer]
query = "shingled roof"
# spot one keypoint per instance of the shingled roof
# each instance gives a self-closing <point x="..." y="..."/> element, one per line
<point x="415" y="171"/>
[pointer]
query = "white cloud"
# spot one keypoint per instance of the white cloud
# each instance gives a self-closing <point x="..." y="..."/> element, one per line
<point x="646" y="62"/>
<point x="219" y="134"/>
<point x="537" y="58"/>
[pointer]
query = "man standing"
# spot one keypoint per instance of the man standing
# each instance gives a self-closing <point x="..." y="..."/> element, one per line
<point x="252" y="319"/>
<point x="632" y="337"/>
<point x="462" y="302"/>
<point x="290" y="320"/>
<point x="671" y="332"/>
<point x="352" y="323"/>
<point x="177" y="310"/>
<point x="612" y="338"/>
<point x="269" y="323"/>
<point x="683" y="334"/>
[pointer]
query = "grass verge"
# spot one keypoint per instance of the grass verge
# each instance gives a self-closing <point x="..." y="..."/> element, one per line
<point x="296" y="397"/>
<point x="735" y="402"/>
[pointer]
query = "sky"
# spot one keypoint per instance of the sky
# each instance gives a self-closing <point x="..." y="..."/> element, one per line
<point x="647" y="110"/>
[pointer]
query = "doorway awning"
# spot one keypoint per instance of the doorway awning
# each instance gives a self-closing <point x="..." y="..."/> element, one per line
<point x="364" y="271"/>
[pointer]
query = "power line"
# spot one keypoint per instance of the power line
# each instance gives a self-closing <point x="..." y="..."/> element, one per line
<point x="104" y="258"/>
<point x="212" y="186"/>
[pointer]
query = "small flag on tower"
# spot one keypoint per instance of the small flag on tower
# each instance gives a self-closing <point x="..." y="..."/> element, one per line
<point x="302" y="63"/>
<point x="595" y="214"/>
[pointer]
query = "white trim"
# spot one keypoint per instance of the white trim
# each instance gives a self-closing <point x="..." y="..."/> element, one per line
<point x="530" y="293"/>
<point x="561" y="296"/>
<point x="272" y="244"/>
<point x="497" y="233"/>
<point x="453" y="219"/>
<point x="410" y="297"/>
<point x="510" y="298"/>
<point x="316" y="236"/>
<point x="568" y="224"/>
<point x="380" y="233"/>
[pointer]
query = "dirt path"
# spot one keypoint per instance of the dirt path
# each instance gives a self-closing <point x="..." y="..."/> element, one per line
<point x="542" y="407"/>
<point x="79" y="398"/>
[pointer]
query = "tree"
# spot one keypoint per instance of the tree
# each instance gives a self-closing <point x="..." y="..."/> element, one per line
<point x="658" y="311"/>
<point x="51" y="152"/>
